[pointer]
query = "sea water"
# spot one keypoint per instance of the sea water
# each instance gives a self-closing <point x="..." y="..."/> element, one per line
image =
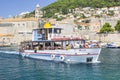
<point x="15" y="67"/>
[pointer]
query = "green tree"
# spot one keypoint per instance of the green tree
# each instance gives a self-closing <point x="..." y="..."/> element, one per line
<point x="111" y="13"/>
<point x="117" y="27"/>
<point x="106" y="28"/>
<point x="79" y="27"/>
<point x="64" y="11"/>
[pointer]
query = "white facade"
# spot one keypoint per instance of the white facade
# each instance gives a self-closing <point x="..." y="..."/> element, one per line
<point x="17" y="30"/>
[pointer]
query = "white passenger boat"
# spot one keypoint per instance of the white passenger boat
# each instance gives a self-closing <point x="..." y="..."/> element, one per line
<point x="48" y="44"/>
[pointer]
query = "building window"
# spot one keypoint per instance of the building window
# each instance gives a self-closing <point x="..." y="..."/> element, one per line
<point x="23" y="24"/>
<point x="20" y="33"/>
<point x="13" y="24"/>
<point x="5" y="24"/>
<point x="29" y="32"/>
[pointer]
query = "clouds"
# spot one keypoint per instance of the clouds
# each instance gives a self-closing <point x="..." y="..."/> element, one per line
<point x="14" y="7"/>
<point x="23" y="13"/>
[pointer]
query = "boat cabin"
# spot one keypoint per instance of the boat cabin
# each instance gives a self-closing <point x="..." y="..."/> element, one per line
<point x="45" y="33"/>
<point x="50" y="39"/>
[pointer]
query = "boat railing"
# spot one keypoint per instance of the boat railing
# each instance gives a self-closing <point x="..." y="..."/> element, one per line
<point x="67" y="47"/>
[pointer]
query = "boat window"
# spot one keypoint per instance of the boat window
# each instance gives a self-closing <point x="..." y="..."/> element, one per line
<point x="50" y="30"/>
<point x="47" y="44"/>
<point x="39" y="32"/>
<point x="89" y="59"/>
<point x="43" y="31"/>
<point x="57" y="31"/>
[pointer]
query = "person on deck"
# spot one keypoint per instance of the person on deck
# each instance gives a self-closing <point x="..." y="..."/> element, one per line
<point x="83" y="46"/>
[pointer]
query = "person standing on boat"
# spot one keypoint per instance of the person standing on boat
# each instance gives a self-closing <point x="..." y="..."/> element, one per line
<point x="67" y="47"/>
<point x="80" y="45"/>
<point x="84" y="46"/>
<point x="36" y="48"/>
<point x="76" y="45"/>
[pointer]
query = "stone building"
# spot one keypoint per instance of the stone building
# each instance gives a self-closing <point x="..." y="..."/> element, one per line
<point x="15" y="30"/>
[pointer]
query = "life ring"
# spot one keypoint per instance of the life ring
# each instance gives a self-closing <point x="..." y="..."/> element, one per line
<point x="52" y="56"/>
<point x="27" y="54"/>
<point x="23" y="55"/>
<point x="62" y="58"/>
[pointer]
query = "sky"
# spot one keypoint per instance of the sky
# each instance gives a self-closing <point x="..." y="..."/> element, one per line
<point x="10" y="8"/>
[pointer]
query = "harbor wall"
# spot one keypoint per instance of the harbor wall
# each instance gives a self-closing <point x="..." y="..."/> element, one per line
<point x="108" y="37"/>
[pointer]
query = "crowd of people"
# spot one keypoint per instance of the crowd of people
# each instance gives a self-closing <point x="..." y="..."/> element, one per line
<point x="84" y="45"/>
<point x="58" y="46"/>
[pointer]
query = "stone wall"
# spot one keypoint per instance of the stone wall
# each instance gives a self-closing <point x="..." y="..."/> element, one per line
<point x="108" y="37"/>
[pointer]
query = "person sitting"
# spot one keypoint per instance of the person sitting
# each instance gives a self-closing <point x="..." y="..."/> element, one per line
<point x="80" y="46"/>
<point x="83" y="46"/>
<point x="76" y="45"/>
<point x="67" y="47"/>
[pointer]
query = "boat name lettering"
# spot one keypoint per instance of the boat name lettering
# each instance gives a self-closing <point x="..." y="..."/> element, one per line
<point x="82" y="49"/>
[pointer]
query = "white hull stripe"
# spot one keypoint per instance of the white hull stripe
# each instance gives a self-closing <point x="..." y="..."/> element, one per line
<point x="63" y="54"/>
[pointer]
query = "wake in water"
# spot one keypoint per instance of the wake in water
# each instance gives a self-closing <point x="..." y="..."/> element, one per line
<point x="9" y="52"/>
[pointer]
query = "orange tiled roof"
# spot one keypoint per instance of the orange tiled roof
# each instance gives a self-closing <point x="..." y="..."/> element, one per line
<point x="6" y="35"/>
<point x="17" y="19"/>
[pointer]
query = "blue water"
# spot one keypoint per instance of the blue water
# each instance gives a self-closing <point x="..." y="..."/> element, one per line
<point x="14" y="67"/>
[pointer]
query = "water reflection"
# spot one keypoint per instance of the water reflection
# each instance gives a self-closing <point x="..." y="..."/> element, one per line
<point x="15" y="67"/>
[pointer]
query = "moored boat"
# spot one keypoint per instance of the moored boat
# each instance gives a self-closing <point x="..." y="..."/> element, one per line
<point x="48" y="44"/>
<point x="113" y="45"/>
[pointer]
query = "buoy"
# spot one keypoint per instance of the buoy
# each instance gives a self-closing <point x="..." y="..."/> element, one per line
<point x="23" y="54"/>
<point x="27" y="54"/>
<point x="62" y="58"/>
<point x="52" y="56"/>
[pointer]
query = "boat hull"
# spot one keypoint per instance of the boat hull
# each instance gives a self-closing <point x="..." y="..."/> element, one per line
<point x="71" y="56"/>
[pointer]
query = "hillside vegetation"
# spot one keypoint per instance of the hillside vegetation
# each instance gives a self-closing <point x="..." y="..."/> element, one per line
<point x="82" y="3"/>
<point x="62" y="6"/>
